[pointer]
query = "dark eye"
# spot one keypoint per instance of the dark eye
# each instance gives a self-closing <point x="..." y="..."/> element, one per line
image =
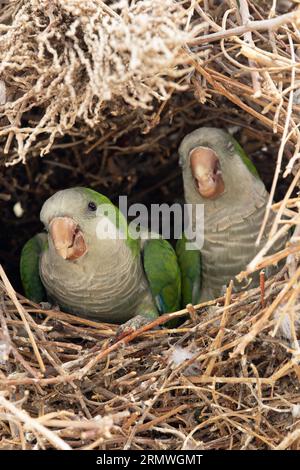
<point x="92" y="206"/>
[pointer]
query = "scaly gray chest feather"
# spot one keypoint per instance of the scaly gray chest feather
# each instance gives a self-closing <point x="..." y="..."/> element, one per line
<point x="227" y="252"/>
<point x="106" y="288"/>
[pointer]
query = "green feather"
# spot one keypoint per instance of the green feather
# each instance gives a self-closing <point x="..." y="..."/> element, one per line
<point x="241" y="152"/>
<point x="190" y="267"/>
<point x="29" y="267"/>
<point x="163" y="274"/>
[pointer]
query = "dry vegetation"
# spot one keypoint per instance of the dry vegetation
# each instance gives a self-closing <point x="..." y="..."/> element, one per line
<point x="110" y="90"/>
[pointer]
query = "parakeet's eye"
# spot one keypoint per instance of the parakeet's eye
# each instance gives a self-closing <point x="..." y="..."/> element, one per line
<point x="92" y="206"/>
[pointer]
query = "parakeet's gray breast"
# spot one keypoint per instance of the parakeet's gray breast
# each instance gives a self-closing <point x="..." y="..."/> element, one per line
<point x="103" y="289"/>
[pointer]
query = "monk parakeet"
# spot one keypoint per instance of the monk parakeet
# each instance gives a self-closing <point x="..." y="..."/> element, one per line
<point x="218" y="174"/>
<point x="90" y="265"/>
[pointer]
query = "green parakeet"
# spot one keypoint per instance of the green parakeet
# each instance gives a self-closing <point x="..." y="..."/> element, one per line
<point x="90" y="265"/>
<point x="218" y="174"/>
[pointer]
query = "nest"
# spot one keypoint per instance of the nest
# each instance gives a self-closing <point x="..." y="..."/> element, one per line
<point x="110" y="88"/>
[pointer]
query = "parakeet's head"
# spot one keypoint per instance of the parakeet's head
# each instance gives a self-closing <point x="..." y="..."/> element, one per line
<point x="213" y="163"/>
<point x="74" y="219"/>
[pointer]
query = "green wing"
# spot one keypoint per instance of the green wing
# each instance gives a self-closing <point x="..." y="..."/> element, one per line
<point x="163" y="274"/>
<point x="190" y="267"/>
<point x="29" y="267"/>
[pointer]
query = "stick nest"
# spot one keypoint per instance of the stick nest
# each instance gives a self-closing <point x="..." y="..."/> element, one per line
<point x="81" y="64"/>
<point x="111" y="88"/>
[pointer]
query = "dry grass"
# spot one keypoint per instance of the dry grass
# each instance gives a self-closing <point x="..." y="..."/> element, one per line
<point x="64" y="382"/>
<point x="67" y="384"/>
<point x="82" y="63"/>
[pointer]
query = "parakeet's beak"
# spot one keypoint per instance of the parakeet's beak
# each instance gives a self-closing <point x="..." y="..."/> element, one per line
<point x="206" y="171"/>
<point x="67" y="238"/>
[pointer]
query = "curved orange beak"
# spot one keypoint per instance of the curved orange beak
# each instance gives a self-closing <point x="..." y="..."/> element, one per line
<point x="67" y="238"/>
<point x="205" y="167"/>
